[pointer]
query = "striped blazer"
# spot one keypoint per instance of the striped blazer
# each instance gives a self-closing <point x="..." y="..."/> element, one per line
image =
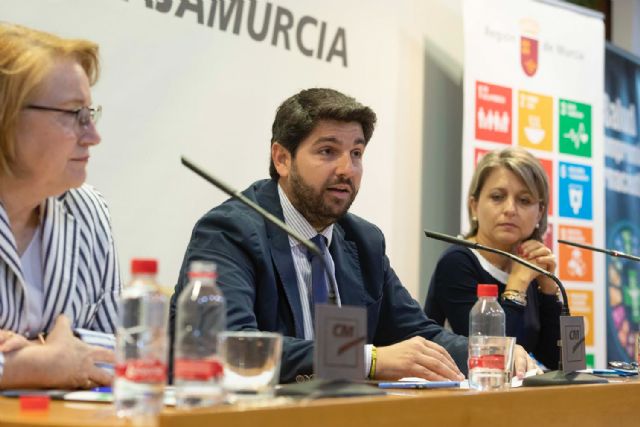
<point x="80" y="268"/>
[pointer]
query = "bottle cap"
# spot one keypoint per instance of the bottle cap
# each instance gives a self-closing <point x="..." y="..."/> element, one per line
<point x="34" y="402"/>
<point x="487" y="290"/>
<point x="202" y="270"/>
<point x="144" y="266"/>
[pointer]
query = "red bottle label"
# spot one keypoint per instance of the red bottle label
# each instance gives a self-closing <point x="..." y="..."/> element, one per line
<point x="142" y="370"/>
<point x="488" y="361"/>
<point x="198" y="369"/>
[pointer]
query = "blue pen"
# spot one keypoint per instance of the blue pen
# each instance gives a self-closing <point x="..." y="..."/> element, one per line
<point x="102" y="389"/>
<point x="540" y="365"/>
<point x="613" y="372"/>
<point x="419" y="384"/>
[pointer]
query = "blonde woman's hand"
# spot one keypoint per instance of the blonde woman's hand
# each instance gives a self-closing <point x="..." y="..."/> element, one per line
<point x="74" y="361"/>
<point x="537" y="253"/>
<point x="10" y="341"/>
<point x="521" y="276"/>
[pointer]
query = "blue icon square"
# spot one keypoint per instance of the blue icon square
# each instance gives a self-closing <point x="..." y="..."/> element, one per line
<point x="575" y="191"/>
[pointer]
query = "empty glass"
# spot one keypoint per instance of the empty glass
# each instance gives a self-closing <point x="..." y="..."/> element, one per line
<point x="251" y="362"/>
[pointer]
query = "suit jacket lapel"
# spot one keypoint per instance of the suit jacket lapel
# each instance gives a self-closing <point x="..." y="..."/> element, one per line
<point x="60" y="246"/>
<point x="347" y="267"/>
<point x="281" y="254"/>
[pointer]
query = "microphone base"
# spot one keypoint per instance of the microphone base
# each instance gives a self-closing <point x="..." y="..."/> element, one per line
<point x="560" y="378"/>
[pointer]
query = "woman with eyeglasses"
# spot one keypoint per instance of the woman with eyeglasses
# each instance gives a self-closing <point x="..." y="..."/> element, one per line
<point x="507" y="205"/>
<point x="59" y="276"/>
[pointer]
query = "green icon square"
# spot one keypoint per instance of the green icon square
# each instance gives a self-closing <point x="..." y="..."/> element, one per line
<point x="575" y="128"/>
<point x="590" y="361"/>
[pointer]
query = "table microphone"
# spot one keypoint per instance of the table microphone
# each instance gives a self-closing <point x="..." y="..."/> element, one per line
<point x="269" y="217"/>
<point x="610" y="252"/>
<point x="478" y="246"/>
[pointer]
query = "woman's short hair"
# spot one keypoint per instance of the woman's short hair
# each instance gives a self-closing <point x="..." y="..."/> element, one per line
<point x="26" y="57"/>
<point x="523" y="165"/>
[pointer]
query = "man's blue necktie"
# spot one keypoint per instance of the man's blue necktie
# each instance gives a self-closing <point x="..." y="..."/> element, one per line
<point x="319" y="288"/>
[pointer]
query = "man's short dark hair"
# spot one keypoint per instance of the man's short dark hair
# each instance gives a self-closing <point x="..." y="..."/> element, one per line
<point x="298" y="116"/>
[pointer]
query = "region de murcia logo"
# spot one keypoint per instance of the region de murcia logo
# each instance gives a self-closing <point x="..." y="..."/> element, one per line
<point x="529" y="46"/>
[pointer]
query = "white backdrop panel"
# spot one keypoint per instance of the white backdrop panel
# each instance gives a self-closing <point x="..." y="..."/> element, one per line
<point x="173" y="86"/>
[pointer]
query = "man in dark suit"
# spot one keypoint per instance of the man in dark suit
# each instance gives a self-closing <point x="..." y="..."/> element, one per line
<point x="319" y="138"/>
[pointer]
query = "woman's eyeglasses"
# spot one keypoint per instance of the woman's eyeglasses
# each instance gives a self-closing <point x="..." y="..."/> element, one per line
<point x="84" y="115"/>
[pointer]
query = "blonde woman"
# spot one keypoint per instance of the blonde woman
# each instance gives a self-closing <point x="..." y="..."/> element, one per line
<point x="507" y="206"/>
<point x="58" y="272"/>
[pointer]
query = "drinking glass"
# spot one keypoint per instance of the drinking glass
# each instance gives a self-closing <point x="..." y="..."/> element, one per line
<point x="490" y="362"/>
<point x="251" y="362"/>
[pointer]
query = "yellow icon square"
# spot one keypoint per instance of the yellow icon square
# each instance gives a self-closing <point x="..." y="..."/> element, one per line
<point x="535" y="121"/>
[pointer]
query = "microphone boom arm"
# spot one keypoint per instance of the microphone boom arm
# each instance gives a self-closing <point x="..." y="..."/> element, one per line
<point x="271" y="218"/>
<point x="474" y="245"/>
<point x="610" y="252"/>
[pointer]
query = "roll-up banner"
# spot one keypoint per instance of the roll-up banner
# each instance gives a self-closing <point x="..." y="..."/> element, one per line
<point x="533" y="78"/>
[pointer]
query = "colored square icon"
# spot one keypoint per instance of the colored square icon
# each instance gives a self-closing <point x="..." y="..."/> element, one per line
<point x="575" y="191"/>
<point x="535" y="121"/>
<point x="574" y="128"/>
<point x="575" y="264"/>
<point x="493" y="115"/>
<point x="547" y="165"/>
<point x="581" y="304"/>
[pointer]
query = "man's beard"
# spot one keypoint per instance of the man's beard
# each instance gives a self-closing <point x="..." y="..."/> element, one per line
<point x="311" y="204"/>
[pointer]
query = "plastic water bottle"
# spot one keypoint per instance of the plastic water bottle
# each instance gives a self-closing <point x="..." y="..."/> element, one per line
<point x="487" y="316"/>
<point x="141" y="344"/>
<point x="201" y="316"/>
<point x="486" y="359"/>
